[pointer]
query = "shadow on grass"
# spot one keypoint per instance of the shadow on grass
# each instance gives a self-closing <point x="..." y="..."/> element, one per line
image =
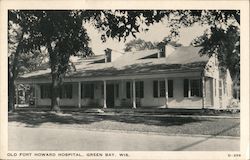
<point x="206" y="139"/>
<point x="34" y="119"/>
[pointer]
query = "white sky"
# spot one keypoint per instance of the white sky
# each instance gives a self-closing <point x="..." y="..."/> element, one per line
<point x="156" y="33"/>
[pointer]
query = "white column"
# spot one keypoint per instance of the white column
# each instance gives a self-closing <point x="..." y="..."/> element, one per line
<point x="166" y="91"/>
<point x="134" y="96"/>
<point x="213" y="92"/>
<point x="79" y="95"/>
<point x="189" y="89"/>
<point x="104" y="94"/>
<point x="203" y="92"/>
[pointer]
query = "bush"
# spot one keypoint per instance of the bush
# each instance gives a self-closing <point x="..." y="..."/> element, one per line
<point x="234" y="106"/>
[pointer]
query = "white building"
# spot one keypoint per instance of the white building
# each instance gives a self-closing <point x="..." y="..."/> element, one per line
<point x="170" y="77"/>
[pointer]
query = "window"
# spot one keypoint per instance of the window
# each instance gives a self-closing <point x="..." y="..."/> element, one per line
<point x="195" y="87"/>
<point x="128" y="90"/>
<point x="88" y="91"/>
<point x="186" y="87"/>
<point x="159" y="89"/>
<point x="139" y="88"/>
<point x="45" y="91"/>
<point x="66" y="91"/>
<point x="192" y="88"/>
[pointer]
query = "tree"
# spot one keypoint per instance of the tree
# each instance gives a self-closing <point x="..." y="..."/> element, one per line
<point x="63" y="34"/>
<point x="138" y="45"/>
<point x="226" y="43"/>
<point x="222" y="38"/>
<point x="60" y="32"/>
<point x="20" y="58"/>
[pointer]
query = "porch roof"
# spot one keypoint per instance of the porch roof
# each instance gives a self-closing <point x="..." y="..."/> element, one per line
<point x="131" y="63"/>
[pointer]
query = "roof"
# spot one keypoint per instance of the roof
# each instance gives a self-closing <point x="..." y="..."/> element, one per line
<point x="132" y="63"/>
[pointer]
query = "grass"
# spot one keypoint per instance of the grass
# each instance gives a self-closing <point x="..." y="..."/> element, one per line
<point x="167" y="125"/>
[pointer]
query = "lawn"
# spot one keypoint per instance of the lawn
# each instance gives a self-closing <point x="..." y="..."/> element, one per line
<point x="163" y="125"/>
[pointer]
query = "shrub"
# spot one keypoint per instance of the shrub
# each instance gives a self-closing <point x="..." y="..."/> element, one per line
<point x="234" y="106"/>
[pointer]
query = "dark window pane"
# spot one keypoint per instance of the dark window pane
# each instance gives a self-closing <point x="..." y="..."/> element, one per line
<point x="186" y="87"/>
<point x="162" y="89"/>
<point x="155" y="89"/>
<point x="141" y="89"/>
<point x="170" y="88"/>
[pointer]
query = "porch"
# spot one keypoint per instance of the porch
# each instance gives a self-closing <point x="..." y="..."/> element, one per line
<point x="153" y="92"/>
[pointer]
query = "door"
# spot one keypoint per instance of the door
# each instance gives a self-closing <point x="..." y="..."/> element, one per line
<point x="110" y="96"/>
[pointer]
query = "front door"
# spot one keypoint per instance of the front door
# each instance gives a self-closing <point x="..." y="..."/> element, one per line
<point x="110" y="96"/>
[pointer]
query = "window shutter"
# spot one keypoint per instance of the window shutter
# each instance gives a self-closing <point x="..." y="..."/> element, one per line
<point x="82" y="91"/>
<point x="155" y="89"/>
<point x="186" y="87"/>
<point x="141" y="89"/>
<point x="170" y="88"/>
<point x="117" y="90"/>
<point x="42" y="91"/>
<point x="128" y="90"/>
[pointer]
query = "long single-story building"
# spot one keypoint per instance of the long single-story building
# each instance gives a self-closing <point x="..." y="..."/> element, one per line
<point x="170" y="77"/>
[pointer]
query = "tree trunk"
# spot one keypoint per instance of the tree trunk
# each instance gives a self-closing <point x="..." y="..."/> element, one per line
<point x="13" y="71"/>
<point x="11" y="94"/>
<point x="12" y="75"/>
<point x="55" y="99"/>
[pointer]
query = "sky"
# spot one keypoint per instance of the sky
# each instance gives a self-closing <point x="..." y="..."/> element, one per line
<point x="156" y="33"/>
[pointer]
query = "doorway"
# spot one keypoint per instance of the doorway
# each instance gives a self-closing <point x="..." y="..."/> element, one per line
<point x="110" y="96"/>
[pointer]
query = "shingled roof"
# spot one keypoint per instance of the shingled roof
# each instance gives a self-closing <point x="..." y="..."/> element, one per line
<point x="132" y="63"/>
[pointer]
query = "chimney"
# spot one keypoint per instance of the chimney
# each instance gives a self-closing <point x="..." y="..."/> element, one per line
<point x="165" y="50"/>
<point x="162" y="51"/>
<point x="108" y="53"/>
